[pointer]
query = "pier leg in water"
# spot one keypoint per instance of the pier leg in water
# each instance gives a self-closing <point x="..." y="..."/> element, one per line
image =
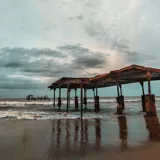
<point x="119" y="103"/>
<point x="96" y="99"/>
<point x="81" y="100"/>
<point x="150" y="99"/>
<point x="59" y="99"/>
<point x="121" y="97"/>
<point x="54" y="97"/>
<point x="143" y="97"/>
<point x="85" y="98"/>
<point x="67" y="97"/>
<point x="76" y="99"/>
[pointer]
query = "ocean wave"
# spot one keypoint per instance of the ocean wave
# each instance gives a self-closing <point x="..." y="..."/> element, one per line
<point x="45" y="116"/>
<point x="64" y="102"/>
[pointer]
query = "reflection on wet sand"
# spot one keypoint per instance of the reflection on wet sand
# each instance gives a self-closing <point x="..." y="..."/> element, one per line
<point x="152" y="124"/>
<point x="122" y="121"/>
<point x="68" y="139"/>
<point x="75" y="139"/>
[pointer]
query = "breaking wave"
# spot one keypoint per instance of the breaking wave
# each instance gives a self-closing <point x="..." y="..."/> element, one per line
<point x="64" y="101"/>
<point x="45" y="116"/>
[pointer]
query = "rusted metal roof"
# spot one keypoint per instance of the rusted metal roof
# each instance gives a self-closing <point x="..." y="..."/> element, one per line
<point x="70" y="82"/>
<point x="130" y="74"/>
<point x="135" y="73"/>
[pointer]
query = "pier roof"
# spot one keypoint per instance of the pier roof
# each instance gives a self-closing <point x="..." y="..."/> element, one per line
<point x="130" y="74"/>
<point x="64" y="82"/>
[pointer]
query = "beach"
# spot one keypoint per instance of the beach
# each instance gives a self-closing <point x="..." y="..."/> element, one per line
<point x="37" y="132"/>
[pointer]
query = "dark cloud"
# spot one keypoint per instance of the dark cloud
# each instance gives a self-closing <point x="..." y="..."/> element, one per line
<point x="30" y="60"/>
<point x="97" y="30"/>
<point x="31" y="52"/>
<point x="74" y="48"/>
<point x="84" y="57"/>
<point x="92" y="61"/>
<point x="80" y="17"/>
<point x="9" y="82"/>
<point x="30" y="64"/>
<point x="71" y="18"/>
<point x="20" y="66"/>
<point x="13" y="65"/>
<point x="138" y="58"/>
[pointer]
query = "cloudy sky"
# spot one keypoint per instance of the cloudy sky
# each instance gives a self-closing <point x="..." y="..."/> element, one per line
<point x="43" y="40"/>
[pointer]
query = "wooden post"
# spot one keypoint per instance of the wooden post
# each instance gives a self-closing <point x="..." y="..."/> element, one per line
<point x="93" y="92"/>
<point x="59" y="98"/>
<point x="81" y="100"/>
<point x="76" y="99"/>
<point x="120" y="86"/>
<point x="121" y="97"/>
<point x="54" y="97"/>
<point x="149" y="86"/>
<point x="96" y="91"/>
<point x="120" y="104"/>
<point x="142" y="85"/>
<point x="149" y="82"/>
<point x="143" y="97"/>
<point x="75" y="92"/>
<point x="118" y="90"/>
<point x="67" y="96"/>
<point x="60" y="92"/>
<point x="85" y="98"/>
<point x="97" y="106"/>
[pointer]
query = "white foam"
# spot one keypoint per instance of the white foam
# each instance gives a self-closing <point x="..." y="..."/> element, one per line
<point x="64" y="102"/>
<point x="44" y="115"/>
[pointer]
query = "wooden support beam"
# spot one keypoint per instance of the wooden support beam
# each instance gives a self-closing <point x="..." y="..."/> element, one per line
<point x="81" y="100"/>
<point x="54" y="97"/>
<point x="85" y="98"/>
<point x="142" y="85"/>
<point x="120" y="86"/>
<point x="59" y="98"/>
<point x="76" y="99"/>
<point x="96" y="91"/>
<point x="148" y="76"/>
<point x="93" y="91"/>
<point x="75" y="92"/>
<point x="149" y="87"/>
<point x="85" y="90"/>
<point x="118" y="90"/>
<point x="67" y="96"/>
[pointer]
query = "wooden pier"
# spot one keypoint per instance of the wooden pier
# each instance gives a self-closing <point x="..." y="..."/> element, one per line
<point x="127" y="75"/>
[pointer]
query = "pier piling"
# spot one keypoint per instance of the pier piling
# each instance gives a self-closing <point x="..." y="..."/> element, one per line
<point x="59" y="98"/>
<point x="54" y="97"/>
<point x="76" y="99"/>
<point x="85" y="98"/>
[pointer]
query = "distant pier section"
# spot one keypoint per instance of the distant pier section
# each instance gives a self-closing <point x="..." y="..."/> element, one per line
<point x="31" y="97"/>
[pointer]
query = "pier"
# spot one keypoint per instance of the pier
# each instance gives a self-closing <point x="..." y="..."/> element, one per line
<point x="118" y="78"/>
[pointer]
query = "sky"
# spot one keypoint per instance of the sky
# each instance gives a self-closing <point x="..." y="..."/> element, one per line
<point x="44" y="40"/>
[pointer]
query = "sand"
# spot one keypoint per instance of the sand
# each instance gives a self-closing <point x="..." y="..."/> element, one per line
<point x="117" y="138"/>
<point x="151" y="152"/>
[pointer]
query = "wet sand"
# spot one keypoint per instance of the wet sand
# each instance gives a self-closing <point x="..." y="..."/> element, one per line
<point x="119" y="137"/>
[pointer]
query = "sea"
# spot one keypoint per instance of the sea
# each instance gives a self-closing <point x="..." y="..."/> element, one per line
<point x="35" y="130"/>
<point x="40" y="109"/>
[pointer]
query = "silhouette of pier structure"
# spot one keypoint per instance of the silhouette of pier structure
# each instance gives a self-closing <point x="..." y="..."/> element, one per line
<point x="127" y="75"/>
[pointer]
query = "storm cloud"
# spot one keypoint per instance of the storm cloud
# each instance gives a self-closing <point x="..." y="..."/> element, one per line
<point x="51" y="39"/>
